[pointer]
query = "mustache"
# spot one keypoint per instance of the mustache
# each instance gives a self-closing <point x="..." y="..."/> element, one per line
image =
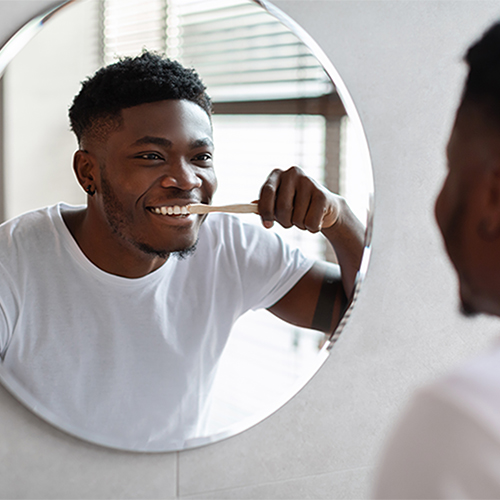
<point x="174" y="192"/>
<point x="176" y="195"/>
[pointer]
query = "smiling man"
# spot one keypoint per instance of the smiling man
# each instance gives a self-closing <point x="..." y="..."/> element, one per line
<point x="114" y="315"/>
<point x="130" y="216"/>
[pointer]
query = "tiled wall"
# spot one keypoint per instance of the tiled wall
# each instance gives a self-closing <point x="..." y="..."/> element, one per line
<point x="401" y="62"/>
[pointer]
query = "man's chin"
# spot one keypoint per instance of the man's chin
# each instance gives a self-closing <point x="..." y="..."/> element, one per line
<point x="185" y="252"/>
<point x="467" y="309"/>
<point x="181" y="253"/>
<point x="474" y="303"/>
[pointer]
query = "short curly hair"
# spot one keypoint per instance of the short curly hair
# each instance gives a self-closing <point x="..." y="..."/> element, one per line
<point x="129" y="82"/>
<point x="482" y="86"/>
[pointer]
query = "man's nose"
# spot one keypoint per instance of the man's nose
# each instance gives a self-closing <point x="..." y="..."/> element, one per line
<point x="438" y="209"/>
<point x="180" y="174"/>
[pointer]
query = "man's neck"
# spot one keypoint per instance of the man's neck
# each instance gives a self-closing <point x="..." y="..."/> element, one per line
<point x="105" y="252"/>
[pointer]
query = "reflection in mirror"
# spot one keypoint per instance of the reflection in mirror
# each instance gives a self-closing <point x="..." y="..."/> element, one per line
<point x="274" y="106"/>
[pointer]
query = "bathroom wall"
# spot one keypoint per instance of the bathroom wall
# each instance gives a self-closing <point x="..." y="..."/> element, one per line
<point x="401" y="61"/>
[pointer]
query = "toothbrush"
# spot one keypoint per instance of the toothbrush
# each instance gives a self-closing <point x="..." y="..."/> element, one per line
<point x="244" y="208"/>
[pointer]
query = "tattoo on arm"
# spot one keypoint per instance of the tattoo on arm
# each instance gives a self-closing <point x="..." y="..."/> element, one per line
<point x="323" y="314"/>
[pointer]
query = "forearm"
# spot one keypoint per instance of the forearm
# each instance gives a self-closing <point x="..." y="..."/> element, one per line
<point x="346" y="236"/>
<point x="294" y="199"/>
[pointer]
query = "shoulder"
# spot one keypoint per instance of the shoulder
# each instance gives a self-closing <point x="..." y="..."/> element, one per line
<point x="248" y="244"/>
<point x="221" y="221"/>
<point x="29" y="224"/>
<point x="28" y="218"/>
<point x="474" y="388"/>
<point x="469" y="393"/>
<point x="29" y="234"/>
<point x="231" y="230"/>
<point x="447" y="437"/>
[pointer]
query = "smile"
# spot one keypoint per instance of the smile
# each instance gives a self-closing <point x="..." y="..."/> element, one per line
<point x="174" y="210"/>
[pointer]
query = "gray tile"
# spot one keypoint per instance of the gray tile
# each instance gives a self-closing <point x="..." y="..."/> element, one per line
<point x="351" y="484"/>
<point x="39" y="461"/>
<point x="319" y="431"/>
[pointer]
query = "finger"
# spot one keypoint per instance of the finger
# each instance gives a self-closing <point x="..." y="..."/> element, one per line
<point x="267" y="197"/>
<point x="333" y="211"/>
<point x="286" y="197"/>
<point x="315" y="216"/>
<point x="301" y="207"/>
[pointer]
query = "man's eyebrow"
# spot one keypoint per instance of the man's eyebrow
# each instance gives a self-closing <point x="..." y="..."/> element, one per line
<point x="149" y="139"/>
<point x="161" y="141"/>
<point x="200" y="143"/>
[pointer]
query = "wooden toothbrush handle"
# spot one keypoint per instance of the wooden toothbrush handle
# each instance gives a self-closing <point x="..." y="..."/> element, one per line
<point x="242" y="208"/>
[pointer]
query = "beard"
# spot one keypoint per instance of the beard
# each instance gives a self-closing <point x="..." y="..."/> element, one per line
<point x="467" y="310"/>
<point x="164" y="254"/>
<point x="453" y="241"/>
<point x="120" y="222"/>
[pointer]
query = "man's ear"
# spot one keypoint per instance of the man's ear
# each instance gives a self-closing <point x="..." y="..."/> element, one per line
<point x="86" y="168"/>
<point x="489" y="225"/>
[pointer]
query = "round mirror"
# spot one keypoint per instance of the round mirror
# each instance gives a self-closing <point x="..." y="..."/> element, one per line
<point x="277" y="102"/>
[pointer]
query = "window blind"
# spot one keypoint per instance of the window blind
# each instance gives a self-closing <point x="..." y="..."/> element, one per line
<point x="240" y="51"/>
<point x="128" y="26"/>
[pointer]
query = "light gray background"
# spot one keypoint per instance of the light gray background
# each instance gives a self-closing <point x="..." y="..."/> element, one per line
<point x="401" y="61"/>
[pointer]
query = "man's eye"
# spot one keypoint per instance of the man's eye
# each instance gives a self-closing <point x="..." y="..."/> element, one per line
<point x="203" y="157"/>
<point x="149" y="156"/>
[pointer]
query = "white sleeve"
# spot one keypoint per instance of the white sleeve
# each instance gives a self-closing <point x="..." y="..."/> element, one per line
<point x="8" y="309"/>
<point x="266" y="267"/>
<point x="285" y="266"/>
<point x="439" y="450"/>
<point x="4" y="332"/>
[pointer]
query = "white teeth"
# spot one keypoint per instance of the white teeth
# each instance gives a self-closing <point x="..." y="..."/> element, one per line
<point x="171" y="210"/>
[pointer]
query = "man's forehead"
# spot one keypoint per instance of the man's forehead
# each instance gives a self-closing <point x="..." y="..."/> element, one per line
<point x="167" y="114"/>
<point x="474" y="142"/>
<point x="204" y="141"/>
<point x="469" y="125"/>
<point x="475" y="119"/>
<point x="173" y="106"/>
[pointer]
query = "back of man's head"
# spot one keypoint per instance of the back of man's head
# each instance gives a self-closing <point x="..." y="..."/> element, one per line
<point x="130" y="82"/>
<point x="482" y="87"/>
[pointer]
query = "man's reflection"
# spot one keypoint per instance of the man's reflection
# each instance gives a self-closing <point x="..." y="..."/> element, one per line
<point x="114" y="315"/>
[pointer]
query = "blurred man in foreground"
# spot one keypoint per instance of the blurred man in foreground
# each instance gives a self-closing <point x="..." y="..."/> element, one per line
<point x="448" y="442"/>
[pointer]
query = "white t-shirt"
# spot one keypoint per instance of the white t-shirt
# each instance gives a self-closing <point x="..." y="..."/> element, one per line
<point x="447" y="445"/>
<point x="129" y="362"/>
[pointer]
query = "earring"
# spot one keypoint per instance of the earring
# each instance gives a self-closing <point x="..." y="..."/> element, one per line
<point x="90" y="191"/>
